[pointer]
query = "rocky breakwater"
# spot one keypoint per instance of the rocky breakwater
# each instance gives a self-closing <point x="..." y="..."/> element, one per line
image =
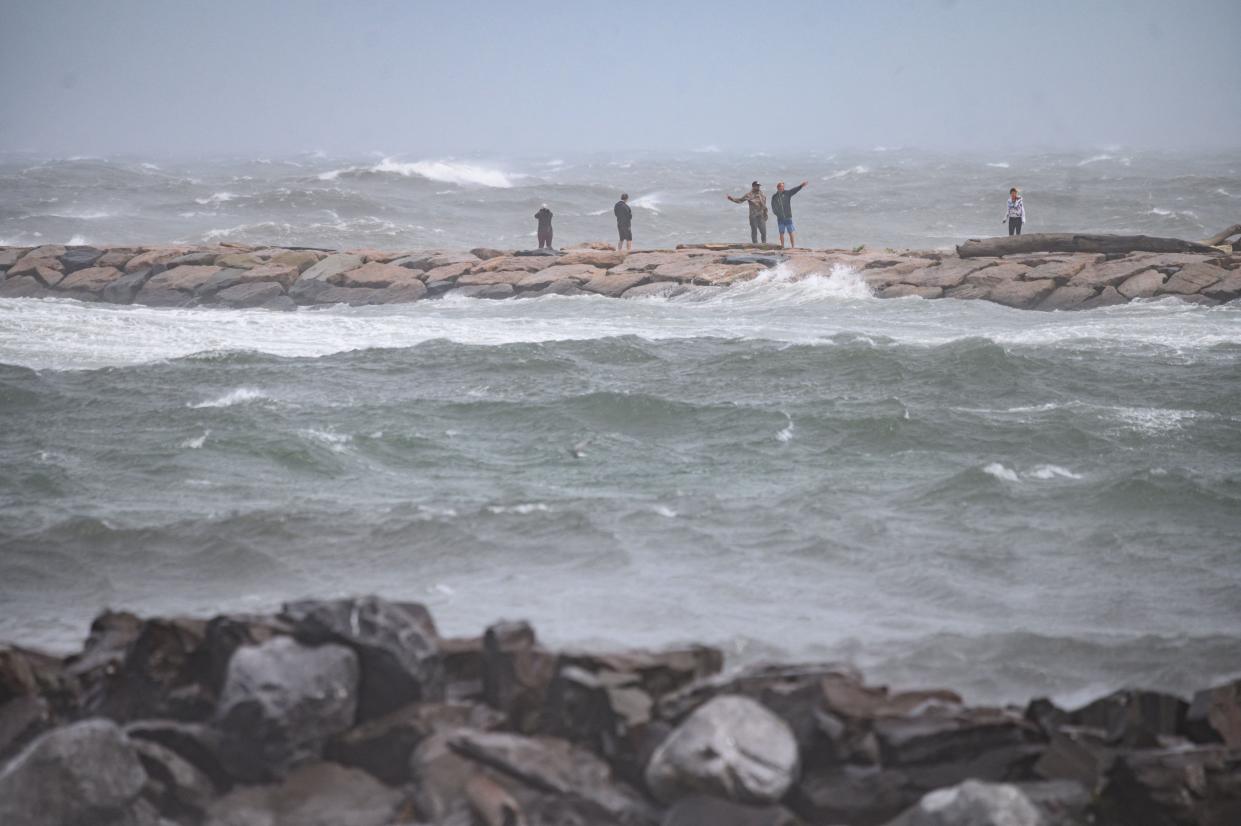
<point x="357" y="712"/>
<point x="284" y="279"/>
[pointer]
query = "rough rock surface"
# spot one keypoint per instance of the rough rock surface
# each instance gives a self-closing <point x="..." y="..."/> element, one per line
<point x="731" y="747"/>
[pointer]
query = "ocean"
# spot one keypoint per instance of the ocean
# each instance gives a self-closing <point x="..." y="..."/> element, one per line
<point x="951" y="493"/>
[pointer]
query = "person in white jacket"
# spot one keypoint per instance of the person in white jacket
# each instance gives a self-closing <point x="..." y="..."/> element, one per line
<point x="1016" y="214"/>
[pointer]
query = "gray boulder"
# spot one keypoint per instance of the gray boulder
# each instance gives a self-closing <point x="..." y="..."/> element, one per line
<point x="319" y="794"/>
<point x="484" y="291"/>
<point x="281" y="700"/>
<point x="79" y="258"/>
<point x="697" y="811"/>
<point x="84" y="773"/>
<point x="315" y="280"/>
<point x="252" y="294"/>
<point x="731" y="747"/>
<point x="974" y="803"/>
<point x="123" y="289"/>
<point x="396" y="644"/>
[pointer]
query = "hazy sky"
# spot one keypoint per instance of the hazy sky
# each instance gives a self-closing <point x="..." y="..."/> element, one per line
<point x="178" y="77"/>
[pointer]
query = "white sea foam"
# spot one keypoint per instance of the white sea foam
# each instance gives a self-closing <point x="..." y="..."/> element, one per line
<point x="335" y="441"/>
<point x="523" y="509"/>
<point x="449" y="172"/>
<point x="786" y="433"/>
<point x="1001" y="472"/>
<point x="1053" y="472"/>
<point x="650" y="201"/>
<point x="999" y="165"/>
<point x="856" y="170"/>
<point x="216" y="198"/>
<point x="664" y="511"/>
<point x="196" y="442"/>
<point x="241" y="395"/>
<point x="77" y="241"/>
<point x="1096" y="159"/>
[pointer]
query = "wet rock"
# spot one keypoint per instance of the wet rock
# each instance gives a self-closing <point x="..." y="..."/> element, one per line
<point x="157" y="297"/>
<point x="767" y="261"/>
<point x="157" y="675"/>
<point x="516" y="673"/>
<point x="607" y="711"/>
<point x="1111" y="273"/>
<point x="603" y="259"/>
<point x="91" y="280"/>
<point x="282" y="274"/>
<point x="373" y="275"/>
<point x="969" y="292"/>
<point x="124" y="289"/>
<point x="353" y="296"/>
<point x="484" y="291"/>
<point x="222" y="280"/>
<point x="973" y="803"/>
<point x="731" y="747"/>
<point x="658" y="672"/>
<point x="316" y="279"/>
<point x="614" y="285"/>
<point x="1132" y="718"/>
<point x="25" y="286"/>
<point x="857" y="795"/>
<point x="244" y="260"/>
<point x="299" y="260"/>
<point x="400" y="293"/>
<point x="950" y="272"/>
<point x="1076" y="754"/>
<point x="79" y="258"/>
<point x="1067" y="298"/>
<point x="1022" y="295"/>
<point x="152" y="258"/>
<point x="184" y="278"/>
<point x="688" y="270"/>
<point x="947" y="737"/>
<point x="175" y="786"/>
<point x="11" y="255"/>
<point x="195" y="743"/>
<point x="541" y="253"/>
<point x="699" y="811"/>
<point x="1227" y="288"/>
<point x="21" y="720"/>
<point x="1169" y="788"/>
<point x="447" y="274"/>
<point x="1143" y="285"/>
<point x="662" y="289"/>
<point x="578" y="273"/>
<point x="383" y="746"/>
<point x="440" y="778"/>
<point x="1194" y="278"/>
<point x="510" y="277"/>
<point x="904" y="290"/>
<point x="84" y="773"/>
<point x="46" y="271"/>
<point x="281" y="701"/>
<point x="485" y="253"/>
<point x="396" y="644"/>
<point x="318" y="794"/>
<point x="555" y="767"/>
<point x="252" y="294"/>
<point x="116" y="257"/>
<point x="647" y="261"/>
<point x="201" y="258"/>
<point x="514" y="263"/>
<point x="1060" y="271"/>
<point x="1215" y="715"/>
<point x="1107" y="297"/>
<point x="280" y="304"/>
<point x="565" y="286"/>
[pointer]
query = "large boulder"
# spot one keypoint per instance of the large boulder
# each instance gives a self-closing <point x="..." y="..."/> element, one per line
<point x="701" y="811"/>
<point x="516" y="673"/>
<point x="396" y="643"/>
<point x="91" y="279"/>
<point x="731" y="747"/>
<point x="1193" y="279"/>
<point x="974" y="803"/>
<point x="315" y="279"/>
<point x="1226" y="289"/>
<point x="47" y="271"/>
<point x="84" y="774"/>
<point x="1143" y="285"/>
<point x="184" y="278"/>
<point x="491" y="291"/>
<point x="281" y="701"/>
<point x="578" y="273"/>
<point x="251" y="294"/>
<point x="24" y="286"/>
<point x="154" y="258"/>
<point x="1067" y="298"/>
<point x="1154" y="787"/>
<point x="1022" y="294"/>
<point x="79" y="258"/>
<point x="177" y="787"/>
<point x="1215" y="715"/>
<point x="1133" y="718"/>
<point x="374" y="275"/>
<point x="907" y="290"/>
<point x="1111" y="273"/>
<point x="124" y="289"/>
<point x="318" y="794"/>
<point x="615" y="284"/>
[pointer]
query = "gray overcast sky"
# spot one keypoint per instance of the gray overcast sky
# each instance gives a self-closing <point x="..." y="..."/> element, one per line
<point x="177" y="77"/>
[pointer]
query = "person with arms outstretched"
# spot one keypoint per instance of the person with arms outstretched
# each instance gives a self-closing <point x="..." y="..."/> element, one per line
<point x="757" y="202"/>
<point x="1016" y="213"/>
<point x="544" y="217"/>
<point x="624" y="222"/>
<point x="782" y="206"/>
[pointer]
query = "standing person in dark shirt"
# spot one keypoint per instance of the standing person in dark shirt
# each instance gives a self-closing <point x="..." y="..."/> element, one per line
<point x="782" y="206"/>
<point x="544" y="217"/>
<point x="624" y="223"/>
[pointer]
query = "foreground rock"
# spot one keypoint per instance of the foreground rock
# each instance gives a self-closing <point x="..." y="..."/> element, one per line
<point x="356" y="712"/>
<point x="1068" y="272"/>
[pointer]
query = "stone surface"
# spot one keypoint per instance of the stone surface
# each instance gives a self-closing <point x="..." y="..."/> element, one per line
<point x="282" y="274"/>
<point x="184" y="278"/>
<point x="660" y="289"/>
<point x="578" y="273"/>
<point x="281" y="700"/>
<point x="1215" y="714"/>
<point x="1110" y="273"/>
<point x="300" y="260"/>
<point x="84" y="773"/>
<point x="25" y="286"/>
<point x="447" y="274"/>
<point x="1194" y="278"/>
<point x="1143" y="285"/>
<point x="124" y="289"/>
<point x="712" y="811"/>
<point x="904" y="290"/>
<point x="159" y="297"/>
<point x="177" y="787"/>
<point x="374" y="275"/>
<point x="400" y="293"/>
<point x="1134" y="718"/>
<point x="314" y="280"/>
<point x="353" y="296"/>
<point x="1107" y="297"/>
<point x="510" y="277"/>
<point x="79" y="258"/>
<point x="731" y="747"/>
<point x="396" y="644"/>
<point x="484" y="291"/>
<point x="603" y="259"/>
<point x="318" y="794"/>
<point x="974" y="804"/>
<point x="46" y="271"/>
<point x="516" y="673"/>
<point x="151" y="258"/>
<point x="615" y="284"/>
<point x="1022" y="294"/>
<point x="91" y="279"/>
<point x="1172" y="787"/>
<point x="1067" y="298"/>
<point x="251" y="294"/>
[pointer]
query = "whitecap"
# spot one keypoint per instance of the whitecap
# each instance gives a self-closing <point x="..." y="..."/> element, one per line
<point x="77" y="241"/>
<point x="1001" y="472"/>
<point x="856" y="170"/>
<point x="664" y="511"/>
<point x="649" y="201"/>
<point x="999" y="165"/>
<point x="1053" y="472"/>
<point x="196" y="442"/>
<point x="1095" y="159"/>
<point x="449" y="172"/>
<point x="233" y="397"/>
<point x="786" y="433"/>
<point x="216" y="198"/>
<point x="522" y="509"/>
<point x="335" y="441"/>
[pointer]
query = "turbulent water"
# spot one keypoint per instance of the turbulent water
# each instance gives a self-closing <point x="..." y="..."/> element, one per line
<point x="943" y="492"/>
<point x="883" y="197"/>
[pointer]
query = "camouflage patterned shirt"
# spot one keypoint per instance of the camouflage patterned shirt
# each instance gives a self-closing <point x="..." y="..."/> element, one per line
<point x="757" y="201"/>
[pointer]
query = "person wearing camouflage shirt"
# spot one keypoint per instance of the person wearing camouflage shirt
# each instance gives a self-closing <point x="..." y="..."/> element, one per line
<point x="758" y="211"/>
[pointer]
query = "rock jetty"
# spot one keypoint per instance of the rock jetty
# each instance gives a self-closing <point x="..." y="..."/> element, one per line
<point x="1016" y="275"/>
<point x="358" y="712"/>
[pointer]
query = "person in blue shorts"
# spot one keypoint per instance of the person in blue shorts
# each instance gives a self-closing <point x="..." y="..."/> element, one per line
<point x="782" y="206"/>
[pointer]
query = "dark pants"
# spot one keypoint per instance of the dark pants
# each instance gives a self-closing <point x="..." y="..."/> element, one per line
<point x="1014" y="226"/>
<point x="758" y="226"/>
<point x="545" y="238"/>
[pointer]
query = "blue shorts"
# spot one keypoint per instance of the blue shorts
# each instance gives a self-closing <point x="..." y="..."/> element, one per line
<point x="786" y="225"/>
